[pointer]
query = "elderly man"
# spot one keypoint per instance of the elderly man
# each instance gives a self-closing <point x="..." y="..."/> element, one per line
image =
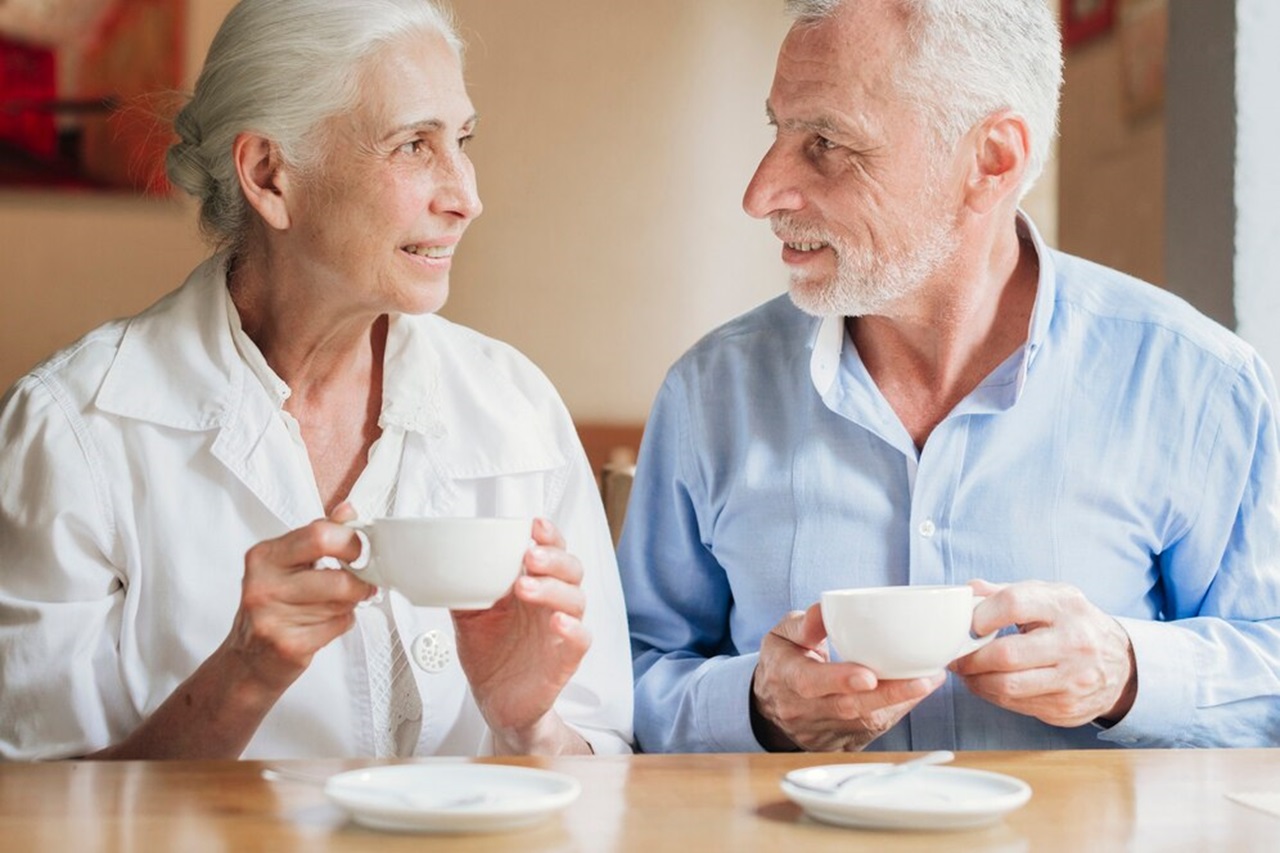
<point x="946" y="400"/>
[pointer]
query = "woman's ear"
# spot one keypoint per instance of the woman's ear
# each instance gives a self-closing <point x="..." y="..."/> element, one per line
<point x="1001" y="151"/>
<point x="263" y="178"/>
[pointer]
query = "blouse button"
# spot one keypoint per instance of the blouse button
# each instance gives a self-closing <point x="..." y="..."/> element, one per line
<point x="927" y="528"/>
<point x="432" y="651"/>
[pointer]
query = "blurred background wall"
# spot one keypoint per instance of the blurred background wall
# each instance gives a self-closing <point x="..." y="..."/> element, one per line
<point x="615" y="143"/>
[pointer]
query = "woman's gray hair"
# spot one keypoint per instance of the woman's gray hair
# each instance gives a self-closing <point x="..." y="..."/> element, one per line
<point x="280" y="68"/>
<point x="970" y="58"/>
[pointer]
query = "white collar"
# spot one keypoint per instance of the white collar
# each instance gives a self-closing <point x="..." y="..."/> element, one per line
<point x="178" y="365"/>
<point x="829" y="337"/>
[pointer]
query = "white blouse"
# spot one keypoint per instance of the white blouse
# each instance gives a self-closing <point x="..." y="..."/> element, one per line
<point x="137" y="467"/>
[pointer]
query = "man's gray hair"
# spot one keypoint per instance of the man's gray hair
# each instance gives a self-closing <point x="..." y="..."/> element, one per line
<point x="970" y="58"/>
<point x="280" y="68"/>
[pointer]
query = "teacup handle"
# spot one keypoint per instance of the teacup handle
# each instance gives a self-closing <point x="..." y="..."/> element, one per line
<point x="974" y="643"/>
<point x="363" y="560"/>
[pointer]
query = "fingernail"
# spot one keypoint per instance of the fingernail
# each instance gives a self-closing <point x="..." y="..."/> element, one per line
<point x="528" y="585"/>
<point x="539" y="556"/>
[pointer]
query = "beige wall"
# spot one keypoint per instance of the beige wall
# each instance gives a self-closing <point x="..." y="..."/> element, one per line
<point x="615" y="144"/>
<point x="616" y="141"/>
<point x="613" y="153"/>
<point x="1111" y="171"/>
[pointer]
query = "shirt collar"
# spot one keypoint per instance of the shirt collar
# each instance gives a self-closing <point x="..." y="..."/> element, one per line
<point x="828" y="339"/>
<point x="1046" y="287"/>
<point x="478" y="403"/>
<point x="253" y="358"/>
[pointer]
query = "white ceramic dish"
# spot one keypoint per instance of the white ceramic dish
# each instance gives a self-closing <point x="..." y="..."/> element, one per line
<point x="932" y="798"/>
<point x="453" y="798"/>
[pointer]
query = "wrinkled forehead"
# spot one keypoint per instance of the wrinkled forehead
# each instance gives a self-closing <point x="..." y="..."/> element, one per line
<point x="852" y="55"/>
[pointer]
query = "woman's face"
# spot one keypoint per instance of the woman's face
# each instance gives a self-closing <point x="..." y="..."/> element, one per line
<point x="376" y="226"/>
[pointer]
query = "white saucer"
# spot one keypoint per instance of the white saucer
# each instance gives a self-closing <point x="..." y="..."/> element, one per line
<point x="929" y="798"/>
<point x="451" y="797"/>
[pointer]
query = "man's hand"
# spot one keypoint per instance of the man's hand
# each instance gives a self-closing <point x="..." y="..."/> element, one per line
<point x="806" y="701"/>
<point x="1069" y="664"/>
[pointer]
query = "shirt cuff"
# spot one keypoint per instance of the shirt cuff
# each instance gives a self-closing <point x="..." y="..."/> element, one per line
<point x="724" y="705"/>
<point x="1162" y="708"/>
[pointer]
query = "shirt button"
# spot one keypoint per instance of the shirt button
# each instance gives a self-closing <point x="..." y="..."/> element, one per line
<point x="927" y="528"/>
<point x="432" y="651"/>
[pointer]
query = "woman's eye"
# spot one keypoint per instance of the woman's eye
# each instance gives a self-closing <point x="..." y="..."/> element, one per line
<point x="463" y="140"/>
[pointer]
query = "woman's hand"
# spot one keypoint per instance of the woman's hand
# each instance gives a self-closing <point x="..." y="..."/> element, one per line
<point x="520" y="653"/>
<point x="289" y="610"/>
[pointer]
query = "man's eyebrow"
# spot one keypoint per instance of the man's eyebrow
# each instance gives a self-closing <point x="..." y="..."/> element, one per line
<point x="822" y="125"/>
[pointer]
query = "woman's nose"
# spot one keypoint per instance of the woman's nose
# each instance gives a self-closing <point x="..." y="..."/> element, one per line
<point x="457" y="193"/>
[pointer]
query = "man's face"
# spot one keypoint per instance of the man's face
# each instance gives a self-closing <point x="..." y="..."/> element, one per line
<point x="855" y="184"/>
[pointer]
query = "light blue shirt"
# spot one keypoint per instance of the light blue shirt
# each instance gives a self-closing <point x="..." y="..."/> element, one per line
<point x="1129" y="449"/>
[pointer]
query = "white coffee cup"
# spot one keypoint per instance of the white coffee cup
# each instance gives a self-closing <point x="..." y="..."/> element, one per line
<point x="902" y="631"/>
<point x="459" y="563"/>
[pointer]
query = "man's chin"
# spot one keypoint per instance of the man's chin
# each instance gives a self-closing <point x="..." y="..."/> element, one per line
<point x="820" y="298"/>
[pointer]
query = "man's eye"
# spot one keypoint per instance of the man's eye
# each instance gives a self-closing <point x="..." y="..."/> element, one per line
<point x="463" y="140"/>
<point x="824" y="144"/>
<point x="411" y="147"/>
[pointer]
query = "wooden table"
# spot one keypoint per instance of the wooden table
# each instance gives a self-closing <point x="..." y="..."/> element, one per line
<point x="1087" y="801"/>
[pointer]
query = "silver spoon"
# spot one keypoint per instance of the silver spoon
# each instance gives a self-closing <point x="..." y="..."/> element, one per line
<point x="857" y="780"/>
<point x="284" y="774"/>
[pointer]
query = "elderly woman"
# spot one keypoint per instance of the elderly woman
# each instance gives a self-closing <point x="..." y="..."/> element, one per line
<point x="160" y="479"/>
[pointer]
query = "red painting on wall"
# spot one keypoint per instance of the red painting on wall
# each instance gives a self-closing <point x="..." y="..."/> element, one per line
<point x="82" y="89"/>
<point x="1084" y="19"/>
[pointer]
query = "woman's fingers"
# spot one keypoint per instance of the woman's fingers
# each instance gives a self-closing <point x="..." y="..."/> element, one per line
<point x="301" y="548"/>
<point x="546" y="533"/>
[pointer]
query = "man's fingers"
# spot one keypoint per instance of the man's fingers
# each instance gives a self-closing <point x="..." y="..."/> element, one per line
<point x="812" y="679"/>
<point x="908" y="690"/>
<point x="802" y="628"/>
<point x="1017" y="685"/>
<point x="1037" y="648"/>
<point x="878" y="708"/>
<point x="1028" y="603"/>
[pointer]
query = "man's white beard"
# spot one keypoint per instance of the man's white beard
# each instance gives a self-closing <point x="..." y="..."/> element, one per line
<point x="866" y="281"/>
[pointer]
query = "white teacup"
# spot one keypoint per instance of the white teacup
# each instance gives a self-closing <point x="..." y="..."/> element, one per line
<point x="459" y="563"/>
<point x="902" y="631"/>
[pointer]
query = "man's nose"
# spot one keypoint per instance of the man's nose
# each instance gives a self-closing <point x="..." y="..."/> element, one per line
<point x="772" y="188"/>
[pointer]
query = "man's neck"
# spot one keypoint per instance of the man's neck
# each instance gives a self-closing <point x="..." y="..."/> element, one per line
<point x="928" y="353"/>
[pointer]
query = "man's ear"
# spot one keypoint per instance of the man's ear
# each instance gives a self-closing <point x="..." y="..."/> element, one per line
<point x="1001" y="150"/>
<point x="263" y="178"/>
